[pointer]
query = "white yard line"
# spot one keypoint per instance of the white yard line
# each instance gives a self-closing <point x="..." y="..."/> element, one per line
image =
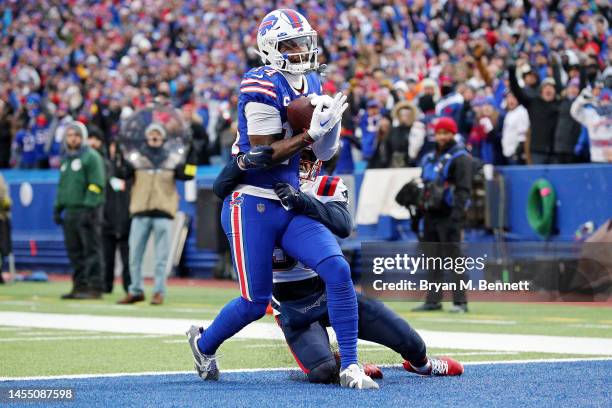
<point x="470" y="321"/>
<point x="103" y="337"/>
<point x="253" y="370"/>
<point x="269" y="331"/>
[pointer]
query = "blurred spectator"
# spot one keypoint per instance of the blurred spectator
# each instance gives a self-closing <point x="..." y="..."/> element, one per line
<point x="514" y="131"/>
<point x="116" y="225"/>
<point x="56" y="135"/>
<point x="80" y="196"/>
<point x="382" y="152"/>
<point x="368" y="127"/>
<point x="568" y="129"/>
<point x="153" y="205"/>
<point x="596" y="116"/>
<point x="451" y="102"/>
<point x="104" y="60"/>
<point x="198" y="133"/>
<point x="543" y="115"/>
<point x="484" y="141"/>
<point x="6" y="134"/>
<point x="5" y="224"/>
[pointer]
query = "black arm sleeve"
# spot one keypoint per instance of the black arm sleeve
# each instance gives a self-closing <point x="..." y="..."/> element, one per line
<point x="228" y="179"/>
<point x="461" y="170"/>
<point x="557" y="76"/>
<point x="334" y="215"/>
<point x="516" y="89"/>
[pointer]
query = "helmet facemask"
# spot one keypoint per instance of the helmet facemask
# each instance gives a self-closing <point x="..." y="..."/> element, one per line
<point x="310" y="166"/>
<point x="294" y="55"/>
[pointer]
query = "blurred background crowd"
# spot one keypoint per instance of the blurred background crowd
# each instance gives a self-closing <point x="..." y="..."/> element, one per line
<point x="507" y="72"/>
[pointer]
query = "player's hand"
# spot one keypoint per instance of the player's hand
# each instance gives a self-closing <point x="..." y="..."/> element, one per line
<point x="323" y="121"/>
<point x="257" y="158"/>
<point x="290" y="198"/>
<point x="326" y="100"/>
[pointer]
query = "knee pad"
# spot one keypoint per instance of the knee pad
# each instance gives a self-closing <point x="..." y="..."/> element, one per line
<point x="334" y="269"/>
<point x="252" y="311"/>
<point x="326" y="372"/>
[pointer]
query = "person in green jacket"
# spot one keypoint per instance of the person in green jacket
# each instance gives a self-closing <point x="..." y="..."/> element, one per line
<point x="80" y="195"/>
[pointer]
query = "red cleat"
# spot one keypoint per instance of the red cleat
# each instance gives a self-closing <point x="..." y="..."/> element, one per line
<point x="440" y="366"/>
<point x="269" y="309"/>
<point x="372" y="370"/>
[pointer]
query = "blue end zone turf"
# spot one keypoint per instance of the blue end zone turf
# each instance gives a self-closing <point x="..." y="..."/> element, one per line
<point x="571" y="384"/>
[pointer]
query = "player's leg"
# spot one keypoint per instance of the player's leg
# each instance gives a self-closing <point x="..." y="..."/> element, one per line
<point x="252" y="225"/>
<point x="310" y="348"/>
<point x="379" y="324"/>
<point x="313" y="244"/>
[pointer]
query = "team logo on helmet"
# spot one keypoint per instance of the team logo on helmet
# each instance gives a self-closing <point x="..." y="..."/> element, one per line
<point x="268" y="23"/>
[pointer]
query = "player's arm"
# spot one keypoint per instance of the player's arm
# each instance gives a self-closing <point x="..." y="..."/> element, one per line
<point x="321" y="123"/>
<point x="231" y="175"/>
<point x="333" y="214"/>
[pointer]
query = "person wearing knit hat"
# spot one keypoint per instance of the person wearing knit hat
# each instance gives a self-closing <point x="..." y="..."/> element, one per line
<point x="447" y="176"/>
<point x="78" y="208"/>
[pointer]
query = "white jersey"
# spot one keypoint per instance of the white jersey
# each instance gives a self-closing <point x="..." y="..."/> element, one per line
<point x="325" y="189"/>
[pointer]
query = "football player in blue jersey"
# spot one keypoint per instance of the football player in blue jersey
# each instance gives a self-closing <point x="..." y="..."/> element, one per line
<point x="299" y="298"/>
<point x="253" y="217"/>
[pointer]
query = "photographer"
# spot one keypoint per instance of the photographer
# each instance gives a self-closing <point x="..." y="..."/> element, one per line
<point x="153" y="205"/>
<point x="80" y="195"/>
<point x="447" y="174"/>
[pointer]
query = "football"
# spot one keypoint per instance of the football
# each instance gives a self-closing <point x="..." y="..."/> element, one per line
<point x="299" y="113"/>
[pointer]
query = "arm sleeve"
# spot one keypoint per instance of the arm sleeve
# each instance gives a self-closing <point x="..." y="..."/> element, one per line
<point x="188" y="170"/>
<point x="228" y="179"/>
<point x="581" y="113"/>
<point x="516" y="89"/>
<point x="463" y="185"/>
<point x="262" y="119"/>
<point x="416" y="138"/>
<point x="327" y="146"/>
<point x="333" y="214"/>
<point x="95" y="181"/>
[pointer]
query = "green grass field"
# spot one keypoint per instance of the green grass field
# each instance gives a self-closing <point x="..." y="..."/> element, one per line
<point x="37" y="351"/>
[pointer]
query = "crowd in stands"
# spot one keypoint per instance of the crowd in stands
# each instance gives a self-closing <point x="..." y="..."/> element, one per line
<point x="526" y="81"/>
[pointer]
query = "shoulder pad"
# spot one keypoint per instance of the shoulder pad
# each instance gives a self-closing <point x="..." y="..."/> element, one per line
<point x="258" y="84"/>
<point x="330" y="188"/>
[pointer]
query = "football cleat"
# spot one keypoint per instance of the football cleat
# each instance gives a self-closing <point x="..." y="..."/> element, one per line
<point x="372" y="370"/>
<point x="441" y="366"/>
<point x="354" y="377"/>
<point x="205" y="365"/>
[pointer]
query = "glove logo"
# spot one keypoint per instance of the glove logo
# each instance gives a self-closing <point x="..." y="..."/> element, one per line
<point x="261" y="207"/>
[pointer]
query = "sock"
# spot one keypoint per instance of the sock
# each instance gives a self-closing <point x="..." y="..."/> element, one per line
<point x="231" y="319"/>
<point x="342" y="306"/>
<point x="425" y="369"/>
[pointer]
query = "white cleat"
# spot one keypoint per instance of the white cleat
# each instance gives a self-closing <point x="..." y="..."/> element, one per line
<point x="354" y="377"/>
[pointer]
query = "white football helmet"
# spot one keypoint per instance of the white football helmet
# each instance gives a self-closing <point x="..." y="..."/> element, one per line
<point x="287" y="42"/>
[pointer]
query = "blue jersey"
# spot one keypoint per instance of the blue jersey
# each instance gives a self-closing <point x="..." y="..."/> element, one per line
<point x="268" y="86"/>
<point x="26" y="142"/>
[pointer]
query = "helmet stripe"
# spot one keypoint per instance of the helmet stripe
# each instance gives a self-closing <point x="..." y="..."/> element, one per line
<point x="294" y="18"/>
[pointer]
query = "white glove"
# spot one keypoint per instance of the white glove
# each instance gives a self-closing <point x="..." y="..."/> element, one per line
<point x="324" y="120"/>
<point x="326" y="100"/>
